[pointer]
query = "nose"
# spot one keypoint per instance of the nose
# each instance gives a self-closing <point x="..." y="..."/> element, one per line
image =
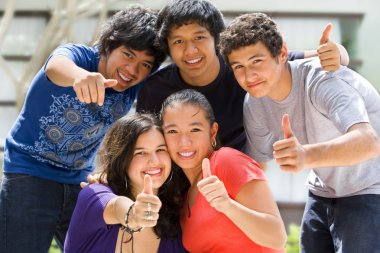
<point x="250" y="75"/>
<point x="191" y="48"/>
<point x="154" y="159"/>
<point x="132" y="68"/>
<point x="184" y="140"/>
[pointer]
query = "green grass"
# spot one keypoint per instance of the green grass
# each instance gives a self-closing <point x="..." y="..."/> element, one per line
<point x="292" y="245"/>
<point x="54" y="247"/>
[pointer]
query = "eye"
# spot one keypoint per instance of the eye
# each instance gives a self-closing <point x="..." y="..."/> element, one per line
<point x="161" y="150"/>
<point x="171" y="131"/>
<point x="236" y="67"/>
<point x="129" y="55"/>
<point x="257" y="61"/>
<point x="177" y="41"/>
<point x="200" y="38"/>
<point x="147" y="66"/>
<point x="139" y="153"/>
<point x="195" y="130"/>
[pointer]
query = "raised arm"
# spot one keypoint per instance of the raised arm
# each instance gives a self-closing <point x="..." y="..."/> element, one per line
<point x="88" y="86"/>
<point x="254" y="211"/>
<point x="359" y="144"/>
<point x="331" y="54"/>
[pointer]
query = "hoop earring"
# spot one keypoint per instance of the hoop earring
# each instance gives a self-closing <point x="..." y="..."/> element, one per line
<point x="170" y="177"/>
<point x="213" y="144"/>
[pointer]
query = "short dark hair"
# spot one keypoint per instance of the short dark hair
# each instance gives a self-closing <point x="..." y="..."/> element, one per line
<point x="114" y="158"/>
<point x="181" y="12"/>
<point x="249" y="29"/>
<point x="134" y="28"/>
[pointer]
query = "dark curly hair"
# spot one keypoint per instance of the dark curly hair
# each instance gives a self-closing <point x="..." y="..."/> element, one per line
<point x="115" y="155"/>
<point x="134" y="28"/>
<point x="249" y="29"/>
<point x="181" y="12"/>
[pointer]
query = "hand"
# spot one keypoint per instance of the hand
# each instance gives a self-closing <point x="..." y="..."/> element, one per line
<point x="138" y="215"/>
<point x="328" y="51"/>
<point x="289" y="153"/>
<point x="94" y="179"/>
<point x="90" y="87"/>
<point x="213" y="189"/>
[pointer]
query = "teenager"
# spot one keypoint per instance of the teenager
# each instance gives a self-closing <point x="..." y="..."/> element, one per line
<point x="229" y="206"/>
<point x="334" y="132"/>
<point x="127" y="215"/>
<point x="67" y="111"/>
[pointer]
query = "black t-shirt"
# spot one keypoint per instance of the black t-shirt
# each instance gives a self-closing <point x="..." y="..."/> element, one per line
<point x="224" y="94"/>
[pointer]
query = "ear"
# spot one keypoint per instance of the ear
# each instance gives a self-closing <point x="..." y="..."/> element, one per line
<point x="284" y="53"/>
<point x="214" y="130"/>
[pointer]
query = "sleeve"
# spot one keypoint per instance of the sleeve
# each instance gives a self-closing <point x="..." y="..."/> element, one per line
<point x="81" y="55"/>
<point x="259" y="137"/>
<point x="296" y="55"/>
<point x="339" y="101"/>
<point x="235" y="169"/>
<point x="88" y="212"/>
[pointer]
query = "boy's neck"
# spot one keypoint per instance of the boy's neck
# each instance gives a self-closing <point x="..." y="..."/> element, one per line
<point x="284" y="85"/>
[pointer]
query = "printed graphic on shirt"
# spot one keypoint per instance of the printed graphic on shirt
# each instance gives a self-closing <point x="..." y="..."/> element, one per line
<point x="72" y="131"/>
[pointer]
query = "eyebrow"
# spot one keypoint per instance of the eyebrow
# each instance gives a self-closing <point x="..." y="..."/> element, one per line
<point x="191" y="124"/>
<point x="250" y="58"/>
<point x="142" y="148"/>
<point x="201" y="31"/>
<point x="133" y="53"/>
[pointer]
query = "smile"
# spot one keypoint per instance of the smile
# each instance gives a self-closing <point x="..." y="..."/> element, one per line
<point x="186" y="155"/>
<point x="194" y="61"/>
<point x="125" y="78"/>
<point x="153" y="172"/>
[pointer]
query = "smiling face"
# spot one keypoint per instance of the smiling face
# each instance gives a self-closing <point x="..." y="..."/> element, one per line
<point x="150" y="157"/>
<point x="192" y="48"/>
<point x="127" y="66"/>
<point x="188" y="135"/>
<point x="259" y="73"/>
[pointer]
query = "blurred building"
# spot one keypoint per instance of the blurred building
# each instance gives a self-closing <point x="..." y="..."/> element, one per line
<point x="31" y="29"/>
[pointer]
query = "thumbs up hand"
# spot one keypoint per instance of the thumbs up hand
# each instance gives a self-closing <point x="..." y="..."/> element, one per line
<point x="147" y="205"/>
<point x="289" y="153"/>
<point x="328" y="51"/>
<point x="213" y="189"/>
<point x="148" y="185"/>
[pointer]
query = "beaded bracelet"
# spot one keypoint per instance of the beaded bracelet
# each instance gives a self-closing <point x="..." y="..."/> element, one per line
<point x="126" y="218"/>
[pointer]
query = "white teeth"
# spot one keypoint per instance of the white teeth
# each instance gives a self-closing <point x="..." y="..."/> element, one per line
<point x="152" y="172"/>
<point x="186" y="154"/>
<point x="194" y="61"/>
<point x="124" y="77"/>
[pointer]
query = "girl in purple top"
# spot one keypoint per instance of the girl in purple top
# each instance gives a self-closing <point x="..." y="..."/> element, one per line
<point x="123" y="215"/>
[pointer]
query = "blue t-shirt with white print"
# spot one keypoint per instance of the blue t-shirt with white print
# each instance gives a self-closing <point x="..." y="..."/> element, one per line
<point x="55" y="136"/>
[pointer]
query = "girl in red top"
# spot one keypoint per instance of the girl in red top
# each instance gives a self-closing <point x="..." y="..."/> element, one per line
<point x="229" y="206"/>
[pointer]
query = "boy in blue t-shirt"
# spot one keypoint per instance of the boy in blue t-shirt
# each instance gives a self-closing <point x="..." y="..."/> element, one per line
<point x="71" y="103"/>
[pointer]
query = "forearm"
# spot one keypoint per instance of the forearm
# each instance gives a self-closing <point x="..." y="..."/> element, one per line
<point x="116" y="209"/>
<point x="344" y="57"/>
<point x="62" y="71"/>
<point x="310" y="53"/>
<point x="262" y="228"/>
<point x="359" y="144"/>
